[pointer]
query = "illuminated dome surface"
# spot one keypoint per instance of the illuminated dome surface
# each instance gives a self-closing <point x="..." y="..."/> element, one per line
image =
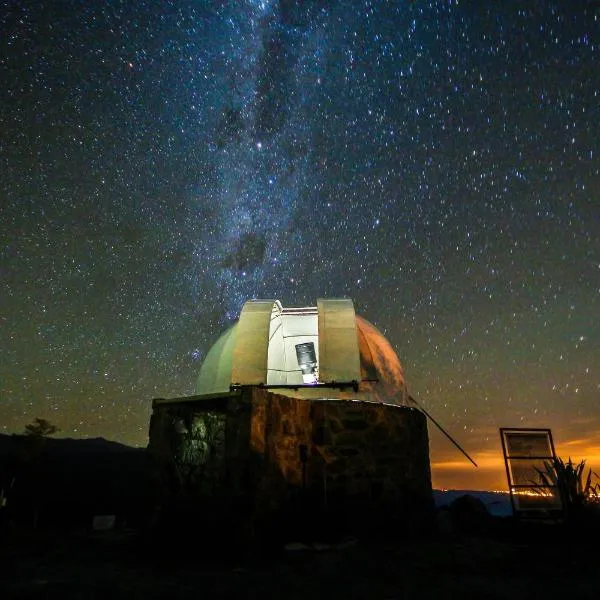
<point x="354" y="359"/>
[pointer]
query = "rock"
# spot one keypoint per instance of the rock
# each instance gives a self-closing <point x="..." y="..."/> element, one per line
<point x="469" y="514"/>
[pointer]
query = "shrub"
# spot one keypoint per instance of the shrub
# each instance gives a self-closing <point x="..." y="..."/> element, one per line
<point x="576" y="488"/>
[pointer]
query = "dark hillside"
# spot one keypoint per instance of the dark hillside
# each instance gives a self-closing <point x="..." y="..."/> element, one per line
<point x="65" y="482"/>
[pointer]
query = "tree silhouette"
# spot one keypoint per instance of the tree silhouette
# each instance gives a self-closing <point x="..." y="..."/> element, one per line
<point x="23" y="471"/>
<point x="36" y="435"/>
<point x="40" y="428"/>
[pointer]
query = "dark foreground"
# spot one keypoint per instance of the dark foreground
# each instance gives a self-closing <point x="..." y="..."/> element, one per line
<point x="517" y="562"/>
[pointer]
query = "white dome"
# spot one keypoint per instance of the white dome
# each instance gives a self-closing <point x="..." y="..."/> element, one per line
<point x="353" y="360"/>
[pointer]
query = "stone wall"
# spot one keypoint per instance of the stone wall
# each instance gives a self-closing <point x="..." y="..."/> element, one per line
<point x="280" y="426"/>
<point x="266" y="462"/>
<point x="371" y="461"/>
<point x="188" y="444"/>
<point x="204" y="472"/>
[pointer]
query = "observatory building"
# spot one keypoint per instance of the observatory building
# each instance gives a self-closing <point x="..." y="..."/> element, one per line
<point x="301" y="424"/>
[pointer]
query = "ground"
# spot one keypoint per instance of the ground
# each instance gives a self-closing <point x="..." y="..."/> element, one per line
<point x="518" y="562"/>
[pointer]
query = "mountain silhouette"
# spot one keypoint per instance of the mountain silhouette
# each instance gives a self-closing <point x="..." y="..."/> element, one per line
<point x="65" y="482"/>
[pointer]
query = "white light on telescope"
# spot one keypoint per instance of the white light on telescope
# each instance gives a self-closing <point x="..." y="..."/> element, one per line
<point x="307" y="360"/>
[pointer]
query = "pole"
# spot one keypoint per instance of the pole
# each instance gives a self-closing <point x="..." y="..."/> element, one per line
<point x="442" y="430"/>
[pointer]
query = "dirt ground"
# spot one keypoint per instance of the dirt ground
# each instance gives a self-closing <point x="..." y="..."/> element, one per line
<point x="519" y="562"/>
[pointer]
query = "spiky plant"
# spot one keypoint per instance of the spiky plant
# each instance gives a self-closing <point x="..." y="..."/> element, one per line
<point x="574" y="485"/>
<point x="594" y="497"/>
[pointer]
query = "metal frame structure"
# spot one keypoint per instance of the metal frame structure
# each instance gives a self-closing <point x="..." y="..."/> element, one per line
<point x="548" y="505"/>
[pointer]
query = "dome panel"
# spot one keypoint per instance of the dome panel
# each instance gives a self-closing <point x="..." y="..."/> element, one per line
<point x="215" y="372"/>
<point x="337" y="334"/>
<point x="250" y="355"/>
<point x="381" y="370"/>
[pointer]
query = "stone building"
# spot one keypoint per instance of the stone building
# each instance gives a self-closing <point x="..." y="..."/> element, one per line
<point x="301" y="426"/>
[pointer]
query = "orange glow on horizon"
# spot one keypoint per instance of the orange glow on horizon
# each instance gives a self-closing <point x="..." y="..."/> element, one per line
<point x="457" y="473"/>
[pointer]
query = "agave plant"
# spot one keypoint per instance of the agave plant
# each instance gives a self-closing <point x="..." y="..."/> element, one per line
<point x="575" y="487"/>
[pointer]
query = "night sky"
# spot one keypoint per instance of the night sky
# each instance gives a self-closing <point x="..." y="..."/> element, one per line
<point x="437" y="162"/>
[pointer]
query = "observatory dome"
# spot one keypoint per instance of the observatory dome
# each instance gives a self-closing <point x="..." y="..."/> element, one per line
<point x="323" y="351"/>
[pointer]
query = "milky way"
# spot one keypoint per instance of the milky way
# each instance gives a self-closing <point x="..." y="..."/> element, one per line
<point x="437" y="162"/>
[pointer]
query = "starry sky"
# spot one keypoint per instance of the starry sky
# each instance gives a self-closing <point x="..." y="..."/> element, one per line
<point x="437" y="162"/>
